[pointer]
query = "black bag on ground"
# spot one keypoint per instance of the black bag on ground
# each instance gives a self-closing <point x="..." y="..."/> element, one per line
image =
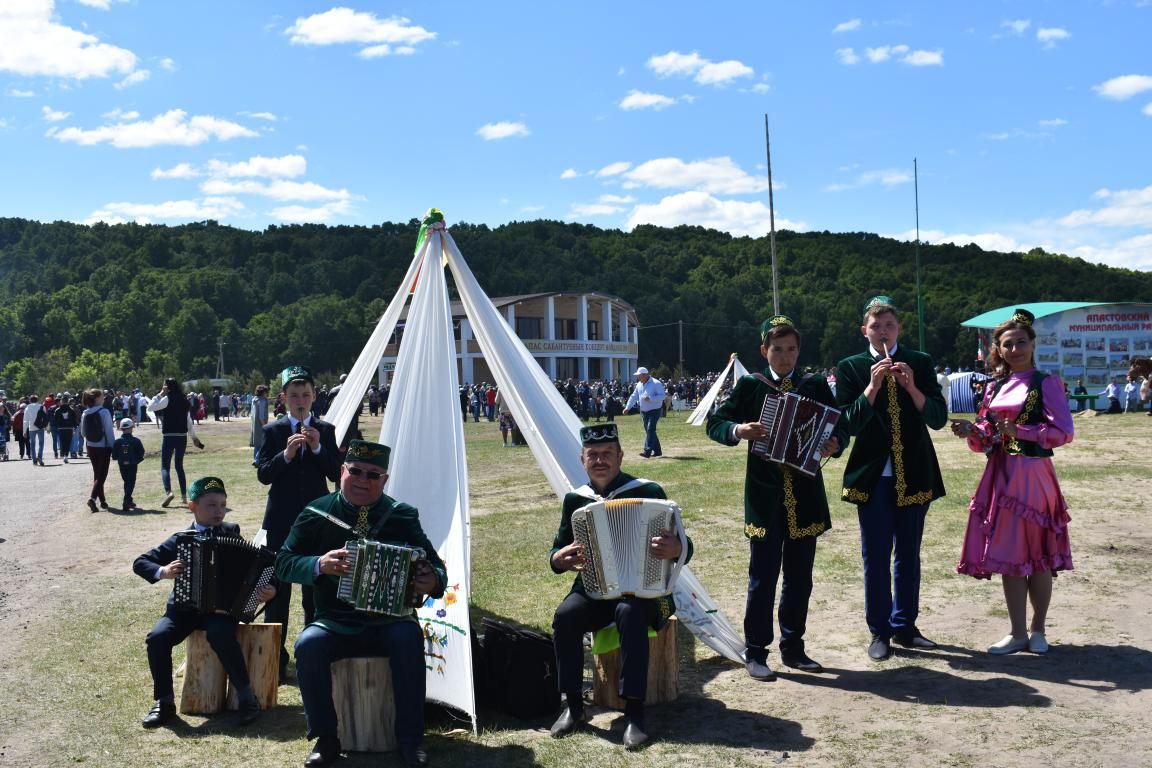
<point x="521" y="667"/>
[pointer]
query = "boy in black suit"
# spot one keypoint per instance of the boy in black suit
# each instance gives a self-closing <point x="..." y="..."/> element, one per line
<point x="297" y="459"/>
<point x="128" y="452"/>
<point x="208" y="502"/>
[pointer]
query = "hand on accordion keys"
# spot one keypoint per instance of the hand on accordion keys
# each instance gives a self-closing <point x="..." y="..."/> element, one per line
<point x="666" y="546"/>
<point x="569" y="558"/>
<point x="424" y="581"/>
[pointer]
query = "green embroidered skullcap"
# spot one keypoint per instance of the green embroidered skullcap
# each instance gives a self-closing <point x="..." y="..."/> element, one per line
<point x="368" y="453"/>
<point x="599" y="433"/>
<point x="295" y="373"/>
<point x="774" y="322"/>
<point x="206" y="485"/>
<point x="1023" y="316"/>
<point x="879" y="301"/>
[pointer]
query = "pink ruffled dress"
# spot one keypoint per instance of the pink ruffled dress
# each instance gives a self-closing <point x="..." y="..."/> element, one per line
<point x="1018" y="520"/>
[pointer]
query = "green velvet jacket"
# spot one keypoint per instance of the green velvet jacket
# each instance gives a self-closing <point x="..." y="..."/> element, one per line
<point x="892" y="427"/>
<point x="574" y="500"/>
<point x="771" y="489"/>
<point x="313" y="535"/>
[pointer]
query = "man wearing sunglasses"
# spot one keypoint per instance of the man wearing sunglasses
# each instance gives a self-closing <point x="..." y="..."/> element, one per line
<point x="315" y="554"/>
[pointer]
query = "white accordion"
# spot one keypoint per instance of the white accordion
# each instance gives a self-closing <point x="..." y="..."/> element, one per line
<point x="616" y="536"/>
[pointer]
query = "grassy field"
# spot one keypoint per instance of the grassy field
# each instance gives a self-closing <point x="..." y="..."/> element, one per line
<point x="83" y="682"/>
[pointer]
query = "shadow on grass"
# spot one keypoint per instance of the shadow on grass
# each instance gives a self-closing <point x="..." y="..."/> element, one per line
<point x="136" y="511"/>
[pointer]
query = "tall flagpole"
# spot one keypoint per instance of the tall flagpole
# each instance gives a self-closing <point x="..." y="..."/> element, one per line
<point x="771" y="223"/>
<point x="919" y="295"/>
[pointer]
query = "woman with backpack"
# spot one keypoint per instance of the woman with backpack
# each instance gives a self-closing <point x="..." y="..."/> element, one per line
<point x="99" y="435"/>
<point x="172" y="409"/>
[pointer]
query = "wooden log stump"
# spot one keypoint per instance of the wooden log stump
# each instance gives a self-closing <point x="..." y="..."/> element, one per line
<point x="206" y="688"/>
<point x="260" y="644"/>
<point x="365" y="710"/>
<point x="663" y="671"/>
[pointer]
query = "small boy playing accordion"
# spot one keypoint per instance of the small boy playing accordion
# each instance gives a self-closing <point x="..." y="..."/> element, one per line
<point x="208" y="502"/>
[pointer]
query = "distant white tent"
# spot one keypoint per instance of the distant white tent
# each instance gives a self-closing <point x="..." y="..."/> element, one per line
<point x="700" y="415"/>
<point x="422" y="424"/>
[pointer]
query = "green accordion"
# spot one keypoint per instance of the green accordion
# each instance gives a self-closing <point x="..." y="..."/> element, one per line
<point x="379" y="577"/>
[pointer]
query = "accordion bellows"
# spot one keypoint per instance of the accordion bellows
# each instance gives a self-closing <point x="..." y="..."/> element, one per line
<point x="222" y="574"/>
<point x="378" y="578"/>
<point x="798" y="427"/>
<point x="616" y="535"/>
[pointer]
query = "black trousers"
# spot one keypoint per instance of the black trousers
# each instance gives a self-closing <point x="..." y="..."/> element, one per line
<point x="172" y="629"/>
<point x="766" y="558"/>
<point x="579" y="614"/>
<point x="277" y="611"/>
<point x="128" y="475"/>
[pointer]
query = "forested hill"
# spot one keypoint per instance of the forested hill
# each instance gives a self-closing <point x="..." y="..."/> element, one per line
<point x="130" y="303"/>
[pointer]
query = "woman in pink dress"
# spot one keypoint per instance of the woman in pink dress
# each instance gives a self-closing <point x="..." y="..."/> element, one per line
<point x="1018" y="520"/>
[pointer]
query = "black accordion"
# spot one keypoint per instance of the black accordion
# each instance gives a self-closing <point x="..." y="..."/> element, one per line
<point x="222" y="574"/>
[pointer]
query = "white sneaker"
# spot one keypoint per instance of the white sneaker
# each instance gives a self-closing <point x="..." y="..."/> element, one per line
<point x="1037" y="643"/>
<point x="759" y="670"/>
<point x="1008" y="644"/>
<point x="167" y="499"/>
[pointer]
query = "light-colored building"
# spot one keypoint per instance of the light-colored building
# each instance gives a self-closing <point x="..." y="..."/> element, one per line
<point x="583" y="336"/>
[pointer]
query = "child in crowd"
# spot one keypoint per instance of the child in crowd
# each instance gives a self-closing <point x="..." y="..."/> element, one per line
<point x="208" y="502"/>
<point x="128" y="452"/>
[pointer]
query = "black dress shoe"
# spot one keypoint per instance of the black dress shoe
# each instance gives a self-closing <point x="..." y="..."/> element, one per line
<point x="414" y="757"/>
<point x="634" y="736"/>
<point x="326" y="752"/>
<point x="568" y="723"/>
<point x="161" y="713"/>
<point x="799" y="660"/>
<point x="878" y="649"/>
<point x="248" y="712"/>
<point x="913" y="639"/>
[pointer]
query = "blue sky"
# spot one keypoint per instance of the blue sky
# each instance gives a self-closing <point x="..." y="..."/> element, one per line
<point x="1030" y="119"/>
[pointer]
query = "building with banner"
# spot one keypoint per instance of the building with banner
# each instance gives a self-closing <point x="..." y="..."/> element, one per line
<point x="1080" y="340"/>
<point x="583" y="336"/>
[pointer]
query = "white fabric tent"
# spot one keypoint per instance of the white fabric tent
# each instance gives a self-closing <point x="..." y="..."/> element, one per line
<point x="422" y="425"/>
<point x="700" y="415"/>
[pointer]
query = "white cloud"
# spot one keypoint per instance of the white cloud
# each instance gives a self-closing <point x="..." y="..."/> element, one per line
<point x="885" y="52"/>
<point x="641" y="100"/>
<point x="285" y="166"/>
<point x="924" y="59"/>
<point x="703" y="71"/>
<point x="168" y="65"/>
<point x="696" y="208"/>
<point x="502" y="130"/>
<point x="319" y="214"/>
<point x="178" y="171"/>
<point x="172" y="210"/>
<point x="989" y="241"/>
<point x="614" y="169"/>
<point x="134" y="78"/>
<point x="531" y="208"/>
<point x="761" y="88"/>
<point x="270" y="117"/>
<point x="36" y="45"/>
<point x="54" y="116"/>
<point x="103" y="5"/>
<point x="18" y="94"/>
<point x="276" y="190"/>
<point x="171" y="128"/>
<point x="393" y="35"/>
<point x="1124" y="87"/>
<point x="847" y="56"/>
<point x="715" y="175"/>
<point x="587" y="210"/>
<point x="617" y="199"/>
<point x="121" y="115"/>
<point x="846" y="26"/>
<point x="888" y="177"/>
<point x="1052" y="35"/>
<point x="570" y="173"/>
<point x="1123" y="208"/>
<point x="1016" y="26"/>
<point x="1148" y="109"/>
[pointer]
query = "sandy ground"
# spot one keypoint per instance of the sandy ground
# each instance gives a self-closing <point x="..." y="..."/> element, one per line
<point x="1086" y="704"/>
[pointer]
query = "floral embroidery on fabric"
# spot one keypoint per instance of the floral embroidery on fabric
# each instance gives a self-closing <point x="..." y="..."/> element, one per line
<point x="790" y="510"/>
<point x="754" y="531"/>
<point x="902" y="499"/>
<point x="855" y="496"/>
<point x="438" y="631"/>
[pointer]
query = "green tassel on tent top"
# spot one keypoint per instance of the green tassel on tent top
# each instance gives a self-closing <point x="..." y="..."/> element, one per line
<point x="432" y="217"/>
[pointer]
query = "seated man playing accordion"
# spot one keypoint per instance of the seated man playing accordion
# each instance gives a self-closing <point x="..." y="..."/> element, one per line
<point x="315" y="554"/>
<point x="601" y="456"/>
